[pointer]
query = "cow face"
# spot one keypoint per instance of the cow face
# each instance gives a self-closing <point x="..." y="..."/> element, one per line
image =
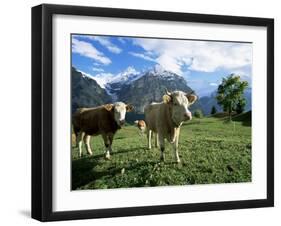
<point x="119" y="109"/>
<point x="179" y="103"/>
<point x="141" y="125"/>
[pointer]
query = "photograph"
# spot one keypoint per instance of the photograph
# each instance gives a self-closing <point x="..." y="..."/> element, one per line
<point x="156" y="111"/>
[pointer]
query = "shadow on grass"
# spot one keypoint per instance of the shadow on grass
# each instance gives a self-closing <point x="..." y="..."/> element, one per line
<point x="83" y="172"/>
<point x="83" y="169"/>
<point x="115" y="152"/>
<point x="128" y="150"/>
<point x="244" y="123"/>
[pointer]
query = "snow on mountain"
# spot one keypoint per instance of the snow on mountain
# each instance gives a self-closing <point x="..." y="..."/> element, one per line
<point x="112" y="83"/>
<point x="127" y="76"/>
<point x="103" y="79"/>
<point x="158" y="70"/>
<point x="130" y="74"/>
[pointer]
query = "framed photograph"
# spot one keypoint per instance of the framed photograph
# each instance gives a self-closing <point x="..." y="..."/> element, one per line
<point x="145" y="112"/>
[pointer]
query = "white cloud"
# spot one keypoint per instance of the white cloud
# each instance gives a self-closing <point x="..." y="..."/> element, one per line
<point x="104" y="41"/>
<point x="86" y="49"/>
<point x="201" y="87"/>
<point x="96" y="64"/>
<point x="107" y="44"/>
<point x="245" y="74"/>
<point x="97" y="69"/>
<point x="122" y="40"/>
<point x="241" y="72"/>
<point x="213" y="84"/>
<point x="143" y="56"/>
<point x="204" y="56"/>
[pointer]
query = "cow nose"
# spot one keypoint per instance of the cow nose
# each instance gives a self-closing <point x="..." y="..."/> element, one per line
<point x="122" y="122"/>
<point x="188" y="115"/>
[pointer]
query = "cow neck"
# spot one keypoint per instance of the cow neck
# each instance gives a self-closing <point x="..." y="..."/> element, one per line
<point x="115" y="125"/>
<point x="170" y="119"/>
<point x="110" y="116"/>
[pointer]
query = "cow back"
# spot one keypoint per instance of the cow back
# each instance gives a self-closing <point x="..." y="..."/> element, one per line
<point x="95" y="121"/>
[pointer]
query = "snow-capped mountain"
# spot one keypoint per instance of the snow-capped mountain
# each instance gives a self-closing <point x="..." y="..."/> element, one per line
<point x="86" y="92"/>
<point x="139" y="88"/>
<point x="159" y="71"/>
<point x="150" y="87"/>
<point x="127" y="76"/>
<point x="113" y="84"/>
<point x="105" y="79"/>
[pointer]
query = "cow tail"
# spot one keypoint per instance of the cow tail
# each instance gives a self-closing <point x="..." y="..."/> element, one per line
<point x="76" y="132"/>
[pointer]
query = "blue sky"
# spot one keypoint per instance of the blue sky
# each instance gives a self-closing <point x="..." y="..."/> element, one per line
<point x="202" y="63"/>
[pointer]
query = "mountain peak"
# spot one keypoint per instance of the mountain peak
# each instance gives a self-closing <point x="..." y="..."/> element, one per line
<point x="129" y="74"/>
<point x="130" y="70"/>
<point x="158" y="69"/>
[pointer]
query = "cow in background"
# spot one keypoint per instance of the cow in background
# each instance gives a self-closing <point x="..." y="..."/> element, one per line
<point x="140" y="124"/>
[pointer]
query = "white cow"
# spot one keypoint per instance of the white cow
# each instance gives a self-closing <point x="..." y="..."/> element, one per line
<point x="166" y="118"/>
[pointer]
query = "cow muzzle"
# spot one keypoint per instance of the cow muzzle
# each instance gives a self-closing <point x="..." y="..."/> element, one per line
<point x="121" y="122"/>
<point x="187" y="116"/>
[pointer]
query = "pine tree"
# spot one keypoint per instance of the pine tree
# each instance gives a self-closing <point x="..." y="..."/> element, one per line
<point x="214" y="110"/>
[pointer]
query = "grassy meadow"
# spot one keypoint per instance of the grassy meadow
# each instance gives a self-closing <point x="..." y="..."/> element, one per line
<point x="211" y="149"/>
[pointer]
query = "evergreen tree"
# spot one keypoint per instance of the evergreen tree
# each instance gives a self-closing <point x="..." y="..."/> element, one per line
<point x="214" y="110"/>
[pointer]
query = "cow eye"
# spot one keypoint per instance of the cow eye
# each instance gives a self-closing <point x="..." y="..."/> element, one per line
<point x="175" y="104"/>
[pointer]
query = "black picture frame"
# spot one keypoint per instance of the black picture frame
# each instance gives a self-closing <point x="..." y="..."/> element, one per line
<point x="42" y="111"/>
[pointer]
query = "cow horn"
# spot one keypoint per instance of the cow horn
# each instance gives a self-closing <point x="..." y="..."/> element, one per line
<point x="167" y="92"/>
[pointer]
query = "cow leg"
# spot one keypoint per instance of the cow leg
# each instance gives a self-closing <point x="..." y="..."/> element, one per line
<point x="76" y="133"/>
<point x="106" y="140"/>
<point x="176" y="145"/>
<point x="156" y="140"/>
<point x="110" y="137"/>
<point x="88" y="146"/>
<point x="162" y="147"/>
<point x="149" y="132"/>
<point x="80" y="139"/>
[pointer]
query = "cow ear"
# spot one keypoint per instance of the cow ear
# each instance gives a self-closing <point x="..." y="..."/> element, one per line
<point x="136" y="122"/>
<point x="129" y="107"/>
<point x="191" y="98"/>
<point x="108" y="107"/>
<point x="166" y="98"/>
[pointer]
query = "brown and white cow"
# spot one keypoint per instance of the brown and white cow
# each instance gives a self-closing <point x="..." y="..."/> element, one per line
<point x="166" y="118"/>
<point x="104" y="120"/>
<point x="141" y="126"/>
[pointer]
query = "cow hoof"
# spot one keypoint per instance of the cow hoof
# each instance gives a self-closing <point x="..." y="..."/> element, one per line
<point x="162" y="159"/>
<point x="107" y="157"/>
<point x="178" y="161"/>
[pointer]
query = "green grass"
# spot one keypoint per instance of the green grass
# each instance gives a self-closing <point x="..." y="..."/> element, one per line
<point x="211" y="151"/>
